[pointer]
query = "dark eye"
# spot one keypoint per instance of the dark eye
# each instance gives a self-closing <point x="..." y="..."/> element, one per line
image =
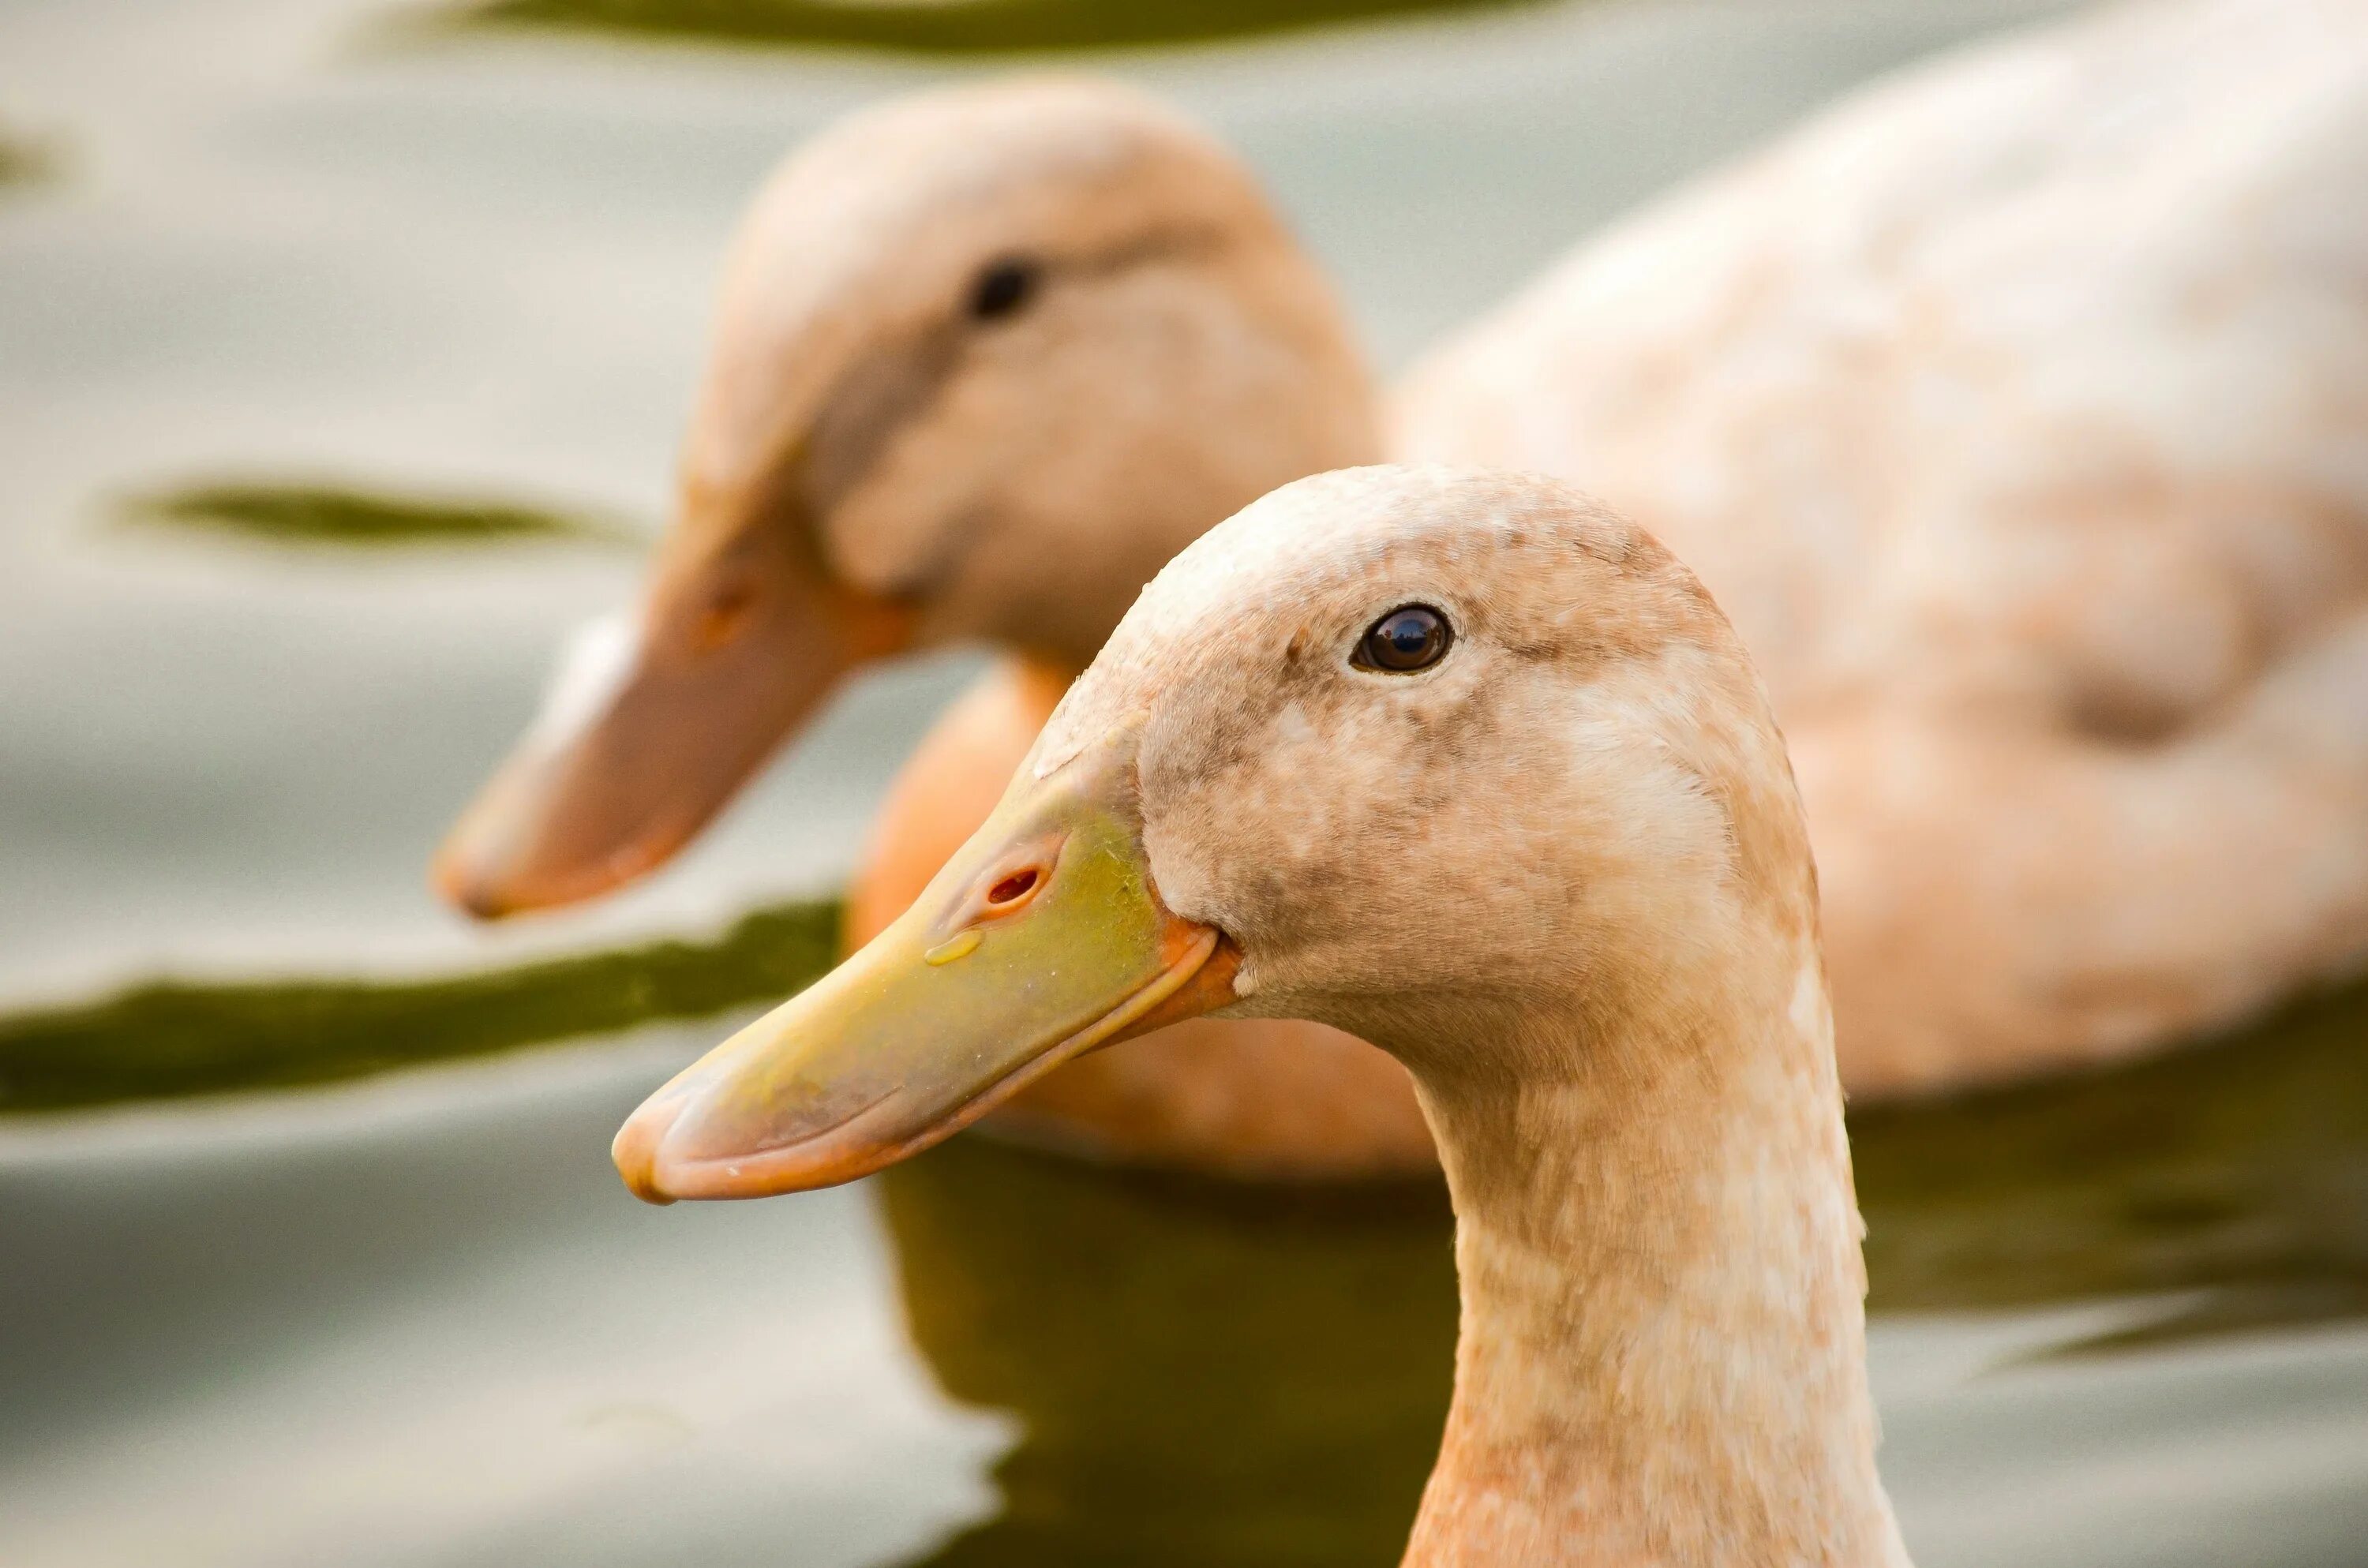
<point x="1410" y="638"/>
<point x="1003" y="288"/>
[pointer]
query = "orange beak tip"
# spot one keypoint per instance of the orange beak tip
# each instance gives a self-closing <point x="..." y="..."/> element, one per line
<point x="449" y="877"/>
<point x="635" y="1152"/>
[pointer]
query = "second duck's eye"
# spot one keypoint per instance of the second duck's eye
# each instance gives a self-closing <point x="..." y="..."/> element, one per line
<point x="1410" y="638"/>
<point x="1003" y="288"/>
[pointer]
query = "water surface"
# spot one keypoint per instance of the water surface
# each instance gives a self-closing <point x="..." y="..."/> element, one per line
<point x="410" y="1317"/>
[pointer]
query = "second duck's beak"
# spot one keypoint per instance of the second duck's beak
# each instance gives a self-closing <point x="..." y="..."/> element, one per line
<point x="1043" y="938"/>
<point x="652" y="728"/>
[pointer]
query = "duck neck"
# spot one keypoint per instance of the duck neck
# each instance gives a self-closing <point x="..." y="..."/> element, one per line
<point x="1662" y="1355"/>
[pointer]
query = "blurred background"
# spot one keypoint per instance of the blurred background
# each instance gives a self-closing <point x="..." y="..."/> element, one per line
<point x="344" y="348"/>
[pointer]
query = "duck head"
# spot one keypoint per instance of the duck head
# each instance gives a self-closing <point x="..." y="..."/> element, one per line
<point x="1393" y="749"/>
<point x="955" y="334"/>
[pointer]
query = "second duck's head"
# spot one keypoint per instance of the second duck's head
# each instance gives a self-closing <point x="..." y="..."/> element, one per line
<point x="985" y="359"/>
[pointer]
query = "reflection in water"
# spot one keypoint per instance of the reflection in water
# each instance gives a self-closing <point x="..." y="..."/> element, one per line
<point x="23" y="162"/>
<point x="1202" y="1373"/>
<point x="950" y="27"/>
<point x="168" y="1039"/>
<point x="2240" y="1170"/>
<point x="300" y="513"/>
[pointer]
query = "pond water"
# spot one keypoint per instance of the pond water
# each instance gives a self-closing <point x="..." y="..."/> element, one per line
<point x="332" y="349"/>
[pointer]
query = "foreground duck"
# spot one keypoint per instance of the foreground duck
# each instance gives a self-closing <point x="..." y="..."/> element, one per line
<point x="2012" y="410"/>
<point x="1466" y="765"/>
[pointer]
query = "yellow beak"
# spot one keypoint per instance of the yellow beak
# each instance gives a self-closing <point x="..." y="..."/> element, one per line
<point x="1041" y="939"/>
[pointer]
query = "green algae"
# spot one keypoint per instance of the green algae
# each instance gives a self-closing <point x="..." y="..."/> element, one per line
<point x="170" y="1038"/>
<point x="947" y="27"/>
<point x="339" y="516"/>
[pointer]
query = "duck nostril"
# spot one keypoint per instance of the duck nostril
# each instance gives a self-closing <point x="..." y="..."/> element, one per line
<point x="1012" y="887"/>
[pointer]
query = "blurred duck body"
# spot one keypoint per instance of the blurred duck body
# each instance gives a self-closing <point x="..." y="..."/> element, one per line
<point x="1586" y="925"/>
<point x="2016" y="413"/>
<point x="2013" y="410"/>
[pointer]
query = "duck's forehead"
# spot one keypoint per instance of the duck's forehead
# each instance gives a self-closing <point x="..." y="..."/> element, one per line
<point x="953" y="168"/>
<point x="1338" y="545"/>
<point x="957" y="145"/>
<point x="1467" y="535"/>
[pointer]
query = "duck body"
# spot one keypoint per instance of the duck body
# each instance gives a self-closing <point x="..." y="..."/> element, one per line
<point x="2012" y="410"/>
<point x="1587" y="926"/>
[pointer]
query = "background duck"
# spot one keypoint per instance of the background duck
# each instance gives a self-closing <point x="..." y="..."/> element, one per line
<point x="956" y="336"/>
<point x="1579" y="905"/>
<point x="2007" y="408"/>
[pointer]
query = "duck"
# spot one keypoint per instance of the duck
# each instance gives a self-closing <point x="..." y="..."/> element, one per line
<point x="2009" y="407"/>
<point x="1463" y="764"/>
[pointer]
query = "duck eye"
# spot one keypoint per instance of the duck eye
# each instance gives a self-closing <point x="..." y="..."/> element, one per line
<point x="1410" y="638"/>
<point x="1002" y="288"/>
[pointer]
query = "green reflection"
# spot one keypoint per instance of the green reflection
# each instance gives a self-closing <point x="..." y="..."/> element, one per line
<point x="291" y="514"/>
<point x="171" y="1038"/>
<point x="1204" y="1373"/>
<point x="949" y="27"/>
<point x="2239" y="1168"/>
<point x="24" y="161"/>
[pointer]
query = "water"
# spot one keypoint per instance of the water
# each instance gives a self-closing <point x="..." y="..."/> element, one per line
<point x="417" y="1321"/>
<point x="414" y="1319"/>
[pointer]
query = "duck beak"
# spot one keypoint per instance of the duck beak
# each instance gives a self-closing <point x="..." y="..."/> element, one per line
<point x="650" y="728"/>
<point x="1044" y="938"/>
